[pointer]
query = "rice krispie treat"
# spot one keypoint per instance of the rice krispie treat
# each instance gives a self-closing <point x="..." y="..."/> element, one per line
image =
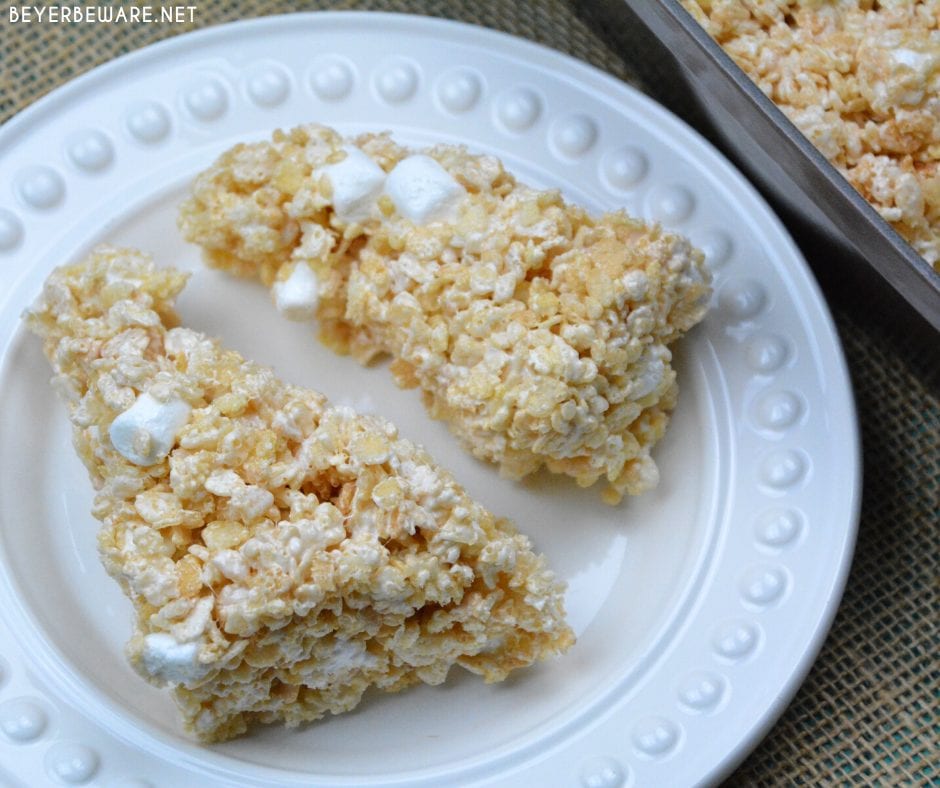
<point x="282" y="555"/>
<point x="539" y="333"/>
<point x="861" y="79"/>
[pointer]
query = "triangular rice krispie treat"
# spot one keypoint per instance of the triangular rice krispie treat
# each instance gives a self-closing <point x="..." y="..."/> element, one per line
<point x="282" y="555"/>
<point x="539" y="333"/>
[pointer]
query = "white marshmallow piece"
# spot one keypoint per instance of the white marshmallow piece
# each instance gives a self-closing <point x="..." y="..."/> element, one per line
<point x="166" y="659"/>
<point x="146" y="431"/>
<point x="347" y="655"/>
<point x="297" y="296"/>
<point x="423" y="191"/>
<point x="650" y="376"/>
<point x="357" y="183"/>
<point x="920" y="62"/>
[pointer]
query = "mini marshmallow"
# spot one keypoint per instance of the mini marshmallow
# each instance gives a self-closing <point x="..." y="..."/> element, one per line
<point x="347" y="655"/>
<point x="920" y="62"/>
<point x="357" y="183"/>
<point x="651" y="373"/>
<point x="166" y="659"/>
<point x="422" y="190"/>
<point x="297" y="296"/>
<point x="146" y="431"/>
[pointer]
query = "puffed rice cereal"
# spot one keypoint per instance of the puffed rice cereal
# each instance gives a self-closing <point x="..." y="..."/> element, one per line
<point x="539" y="333"/>
<point x="861" y="79"/>
<point x="282" y="555"/>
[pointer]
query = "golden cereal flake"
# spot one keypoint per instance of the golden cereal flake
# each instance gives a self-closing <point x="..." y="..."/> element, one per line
<point x="282" y="555"/>
<point x="539" y="333"/>
<point x="861" y="79"/>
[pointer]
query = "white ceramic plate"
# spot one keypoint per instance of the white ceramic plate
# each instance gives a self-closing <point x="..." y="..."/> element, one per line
<point x="698" y="607"/>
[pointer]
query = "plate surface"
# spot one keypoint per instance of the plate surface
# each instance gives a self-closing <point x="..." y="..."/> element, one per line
<point x="698" y="607"/>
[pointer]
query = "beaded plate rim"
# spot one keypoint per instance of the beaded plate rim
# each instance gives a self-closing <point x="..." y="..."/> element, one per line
<point x="747" y="310"/>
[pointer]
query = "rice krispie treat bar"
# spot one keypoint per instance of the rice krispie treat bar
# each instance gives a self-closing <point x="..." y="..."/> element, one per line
<point x="282" y="555"/>
<point x="861" y="79"/>
<point x="540" y="334"/>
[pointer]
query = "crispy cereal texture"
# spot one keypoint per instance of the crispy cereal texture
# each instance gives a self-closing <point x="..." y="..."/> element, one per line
<point x="538" y="333"/>
<point x="284" y="555"/>
<point x="861" y="79"/>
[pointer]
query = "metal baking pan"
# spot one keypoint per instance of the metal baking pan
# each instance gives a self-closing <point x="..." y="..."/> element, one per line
<point x="761" y="139"/>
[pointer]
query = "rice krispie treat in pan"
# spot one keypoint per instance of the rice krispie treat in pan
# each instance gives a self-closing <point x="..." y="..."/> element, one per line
<point x="282" y="555"/>
<point x="540" y="334"/>
<point x="861" y="79"/>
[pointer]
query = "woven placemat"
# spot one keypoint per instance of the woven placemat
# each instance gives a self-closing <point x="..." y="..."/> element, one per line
<point x="867" y="712"/>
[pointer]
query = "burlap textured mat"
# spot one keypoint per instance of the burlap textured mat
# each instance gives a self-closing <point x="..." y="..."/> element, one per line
<point x="868" y="711"/>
